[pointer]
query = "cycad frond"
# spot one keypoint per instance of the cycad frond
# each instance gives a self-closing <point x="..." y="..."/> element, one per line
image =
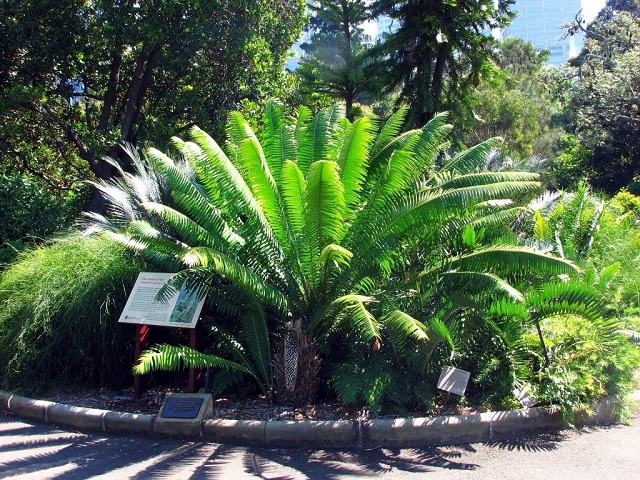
<point x="402" y="327"/>
<point x="390" y="130"/>
<point x="171" y="357"/>
<point x="360" y="320"/>
<point x="315" y="142"/>
<point x="431" y="140"/>
<point x="515" y="262"/>
<point x="486" y="178"/>
<point x="240" y="274"/>
<point x="256" y="338"/>
<point x="265" y="191"/>
<point x="325" y="205"/>
<point x="278" y="139"/>
<point x="555" y="298"/>
<point x="478" y="283"/>
<point x="352" y="159"/>
<point x="472" y="158"/>
<point x="185" y="228"/>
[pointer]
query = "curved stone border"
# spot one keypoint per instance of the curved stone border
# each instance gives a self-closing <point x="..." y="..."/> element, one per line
<point x="399" y="432"/>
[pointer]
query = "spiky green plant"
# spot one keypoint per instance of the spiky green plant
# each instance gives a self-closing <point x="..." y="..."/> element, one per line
<point x="59" y="308"/>
<point x="320" y="220"/>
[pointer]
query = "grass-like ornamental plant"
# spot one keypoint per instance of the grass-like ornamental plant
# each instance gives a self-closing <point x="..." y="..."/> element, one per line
<point x="59" y="307"/>
<point x="342" y="226"/>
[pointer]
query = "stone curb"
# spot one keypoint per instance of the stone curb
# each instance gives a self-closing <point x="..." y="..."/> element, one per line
<point x="399" y="432"/>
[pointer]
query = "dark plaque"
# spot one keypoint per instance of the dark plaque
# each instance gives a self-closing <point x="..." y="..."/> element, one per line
<point x="182" y="407"/>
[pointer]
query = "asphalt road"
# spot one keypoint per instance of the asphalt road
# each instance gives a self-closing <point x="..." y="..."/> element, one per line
<point x="36" y="451"/>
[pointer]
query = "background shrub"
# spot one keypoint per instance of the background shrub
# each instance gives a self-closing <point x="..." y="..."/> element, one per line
<point x="59" y="307"/>
<point x="30" y="212"/>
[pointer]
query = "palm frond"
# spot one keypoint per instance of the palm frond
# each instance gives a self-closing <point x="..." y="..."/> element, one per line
<point x="325" y="205"/>
<point x="353" y="157"/>
<point x="390" y="130"/>
<point x="172" y="357"/>
<point x="472" y="158"/>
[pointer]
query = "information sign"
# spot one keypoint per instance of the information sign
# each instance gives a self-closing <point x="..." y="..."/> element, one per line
<point x="182" y="309"/>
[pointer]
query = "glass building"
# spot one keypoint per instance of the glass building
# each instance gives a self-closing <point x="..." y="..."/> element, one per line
<point x="540" y="23"/>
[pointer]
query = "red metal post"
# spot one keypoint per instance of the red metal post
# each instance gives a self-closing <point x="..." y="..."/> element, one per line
<point x="142" y="343"/>
<point x="195" y="375"/>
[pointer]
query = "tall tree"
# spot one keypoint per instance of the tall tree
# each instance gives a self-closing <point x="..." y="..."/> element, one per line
<point x="603" y="100"/>
<point x="439" y="51"/>
<point x="516" y="104"/>
<point x="79" y="77"/>
<point x="334" y="56"/>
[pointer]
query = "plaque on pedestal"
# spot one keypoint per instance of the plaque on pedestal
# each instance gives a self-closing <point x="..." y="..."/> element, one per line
<point x="182" y="413"/>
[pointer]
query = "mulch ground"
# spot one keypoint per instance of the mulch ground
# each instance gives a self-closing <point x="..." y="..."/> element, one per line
<point x="258" y="408"/>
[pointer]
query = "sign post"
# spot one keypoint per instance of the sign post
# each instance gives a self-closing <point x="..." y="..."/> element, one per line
<point x="179" y="310"/>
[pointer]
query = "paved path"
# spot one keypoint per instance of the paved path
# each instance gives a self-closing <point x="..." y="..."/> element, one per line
<point x="35" y="451"/>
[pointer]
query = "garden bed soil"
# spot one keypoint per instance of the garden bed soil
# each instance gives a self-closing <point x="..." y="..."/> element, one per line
<point x="256" y="408"/>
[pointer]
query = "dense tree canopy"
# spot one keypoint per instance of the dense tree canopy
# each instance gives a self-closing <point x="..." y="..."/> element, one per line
<point x="438" y="53"/>
<point x="603" y="105"/>
<point x="517" y="104"/>
<point x="77" y="77"/>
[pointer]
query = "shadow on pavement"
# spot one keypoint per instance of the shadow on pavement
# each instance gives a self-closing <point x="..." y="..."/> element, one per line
<point x="327" y="464"/>
<point x="544" y="442"/>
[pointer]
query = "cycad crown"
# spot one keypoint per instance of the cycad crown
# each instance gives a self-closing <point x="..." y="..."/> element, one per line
<point x="321" y="220"/>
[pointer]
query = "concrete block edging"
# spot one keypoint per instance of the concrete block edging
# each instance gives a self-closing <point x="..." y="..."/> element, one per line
<point x="398" y="432"/>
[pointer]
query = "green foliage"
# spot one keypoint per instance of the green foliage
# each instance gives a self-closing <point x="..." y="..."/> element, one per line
<point x="516" y="105"/>
<point x="590" y="360"/>
<point x="568" y="166"/>
<point x="30" y="213"/>
<point x="77" y="78"/>
<point x="438" y="53"/>
<point x="602" y="104"/>
<point x="356" y="235"/>
<point x="59" y="306"/>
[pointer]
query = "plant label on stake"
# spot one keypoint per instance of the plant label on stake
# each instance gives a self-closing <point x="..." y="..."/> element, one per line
<point x="525" y="397"/>
<point x="453" y="380"/>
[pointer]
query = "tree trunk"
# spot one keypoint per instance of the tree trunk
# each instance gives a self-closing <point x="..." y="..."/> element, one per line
<point x="112" y="88"/>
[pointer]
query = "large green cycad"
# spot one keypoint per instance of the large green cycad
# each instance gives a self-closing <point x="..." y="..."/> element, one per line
<point x="319" y="220"/>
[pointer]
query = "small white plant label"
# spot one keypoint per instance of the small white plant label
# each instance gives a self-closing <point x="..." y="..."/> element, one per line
<point x="524" y="396"/>
<point x="453" y="380"/>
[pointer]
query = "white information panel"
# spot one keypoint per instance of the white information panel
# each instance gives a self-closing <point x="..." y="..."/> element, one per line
<point x="182" y="309"/>
<point x="453" y="380"/>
